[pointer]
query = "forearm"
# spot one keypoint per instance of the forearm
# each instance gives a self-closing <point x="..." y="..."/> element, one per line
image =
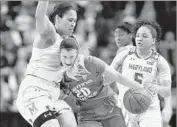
<point x="113" y="75"/>
<point x="41" y="9"/>
<point x="41" y="21"/>
<point x="163" y="91"/>
<point x="127" y="82"/>
<point x="167" y="102"/>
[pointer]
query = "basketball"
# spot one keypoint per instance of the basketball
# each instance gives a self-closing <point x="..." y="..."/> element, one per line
<point x="137" y="100"/>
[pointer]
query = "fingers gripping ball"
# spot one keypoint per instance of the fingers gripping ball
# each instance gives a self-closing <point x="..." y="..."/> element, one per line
<point x="137" y="100"/>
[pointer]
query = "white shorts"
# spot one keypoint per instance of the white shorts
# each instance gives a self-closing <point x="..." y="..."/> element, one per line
<point x="37" y="96"/>
<point x="150" y="118"/>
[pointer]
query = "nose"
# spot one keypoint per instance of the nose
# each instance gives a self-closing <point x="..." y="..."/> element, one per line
<point x="68" y="62"/>
<point x="73" y="24"/>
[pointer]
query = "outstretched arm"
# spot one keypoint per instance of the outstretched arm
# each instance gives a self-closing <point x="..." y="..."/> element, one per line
<point x="116" y="76"/>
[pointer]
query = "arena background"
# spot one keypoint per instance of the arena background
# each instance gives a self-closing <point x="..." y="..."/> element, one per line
<point x="96" y="23"/>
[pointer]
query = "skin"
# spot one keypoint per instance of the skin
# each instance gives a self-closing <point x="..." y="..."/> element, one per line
<point x="47" y="35"/>
<point x="144" y="41"/>
<point x="122" y="38"/>
<point x="68" y="57"/>
<point x="48" y="31"/>
<point x="65" y="25"/>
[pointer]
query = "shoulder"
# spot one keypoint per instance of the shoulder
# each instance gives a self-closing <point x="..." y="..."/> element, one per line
<point x="162" y="60"/>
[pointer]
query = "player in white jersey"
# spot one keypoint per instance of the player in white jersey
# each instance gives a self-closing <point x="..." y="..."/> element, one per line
<point x="124" y="41"/>
<point x="143" y="64"/>
<point x="38" y="94"/>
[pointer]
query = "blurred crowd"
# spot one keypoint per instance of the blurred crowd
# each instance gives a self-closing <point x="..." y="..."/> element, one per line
<point x="96" y="23"/>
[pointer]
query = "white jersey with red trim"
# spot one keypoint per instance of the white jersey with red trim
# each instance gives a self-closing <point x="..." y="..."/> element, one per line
<point x="142" y="70"/>
<point x="45" y="63"/>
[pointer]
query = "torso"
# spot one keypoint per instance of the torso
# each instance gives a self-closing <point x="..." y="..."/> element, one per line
<point x="45" y="63"/>
<point x="88" y="89"/>
<point x="141" y="70"/>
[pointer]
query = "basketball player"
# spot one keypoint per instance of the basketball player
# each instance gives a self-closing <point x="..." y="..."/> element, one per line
<point x="124" y="41"/>
<point x="84" y="78"/>
<point x="38" y="95"/>
<point x="123" y="36"/>
<point x="143" y="64"/>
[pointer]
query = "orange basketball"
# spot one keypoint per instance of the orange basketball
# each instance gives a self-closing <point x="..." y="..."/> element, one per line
<point x="137" y="100"/>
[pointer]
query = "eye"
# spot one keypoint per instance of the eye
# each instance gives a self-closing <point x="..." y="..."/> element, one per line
<point x="71" y="20"/>
<point x="137" y="35"/>
<point x="145" y="36"/>
<point x="71" y="57"/>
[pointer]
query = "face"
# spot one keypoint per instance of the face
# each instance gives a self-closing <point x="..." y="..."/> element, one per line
<point x="122" y="38"/>
<point x="67" y="23"/>
<point x="68" y="57"/>
<point x="144" y="38"/>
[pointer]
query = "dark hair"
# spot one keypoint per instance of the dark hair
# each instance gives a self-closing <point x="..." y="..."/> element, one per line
<point x="60" y="10"/>
<point x="69" y="43"/>
<point x="127" y="27"/>
<point x="154" y="27"/>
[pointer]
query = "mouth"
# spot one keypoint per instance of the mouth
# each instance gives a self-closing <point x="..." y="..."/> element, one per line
<point x="139" y="43"/>
<point x="68" y="65"/>
<point x="71" y="29"/>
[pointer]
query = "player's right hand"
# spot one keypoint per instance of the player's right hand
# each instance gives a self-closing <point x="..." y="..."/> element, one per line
<point x="151" y="87"/>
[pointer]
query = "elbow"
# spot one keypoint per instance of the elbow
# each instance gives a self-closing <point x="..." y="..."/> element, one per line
<point x="166" y="94"/>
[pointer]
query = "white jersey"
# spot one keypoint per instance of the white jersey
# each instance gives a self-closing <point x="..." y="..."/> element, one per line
<point x="141" y="70"/>
<point x="151" y="69"/>
<point x="45" y="63"/>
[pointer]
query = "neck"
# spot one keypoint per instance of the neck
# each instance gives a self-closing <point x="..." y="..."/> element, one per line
<point x="142" y="53"/>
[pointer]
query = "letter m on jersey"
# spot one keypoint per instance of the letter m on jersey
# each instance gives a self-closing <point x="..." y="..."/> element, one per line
<point x="32" y="108"/>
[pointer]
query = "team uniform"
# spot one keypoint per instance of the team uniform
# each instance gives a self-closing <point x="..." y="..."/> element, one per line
<point x="39" y="91"/>
<point x="96" y="101"/>
<point x="120" y="102"/>
<point x="141" y="70"/>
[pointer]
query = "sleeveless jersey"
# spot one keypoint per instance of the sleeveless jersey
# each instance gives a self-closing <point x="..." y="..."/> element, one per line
<point x="88" y="87"/>
<point x="45" y="63"/>
<point x="142" y="70"/>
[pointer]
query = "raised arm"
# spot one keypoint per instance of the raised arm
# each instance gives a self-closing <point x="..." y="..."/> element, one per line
<point x="44" y="27"/>
<point x="43" y="24"/>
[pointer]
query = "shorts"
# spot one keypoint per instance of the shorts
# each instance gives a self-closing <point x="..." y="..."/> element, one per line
<point x="106" y="109"/>
<point x="37" y="96"/>
<point x="150" y="118"/>
<point x="115" y="121"/>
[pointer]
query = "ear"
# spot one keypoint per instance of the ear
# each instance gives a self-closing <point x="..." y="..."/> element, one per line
<point x="154" y="40"/>
<point x="130" y="36"/>
<point x="57" y="18"/>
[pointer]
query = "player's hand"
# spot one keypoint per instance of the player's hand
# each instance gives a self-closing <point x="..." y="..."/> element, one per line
<point x="167" y="114"/>
<point x="151" y="87"/>
<point x="133" y="120"/>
